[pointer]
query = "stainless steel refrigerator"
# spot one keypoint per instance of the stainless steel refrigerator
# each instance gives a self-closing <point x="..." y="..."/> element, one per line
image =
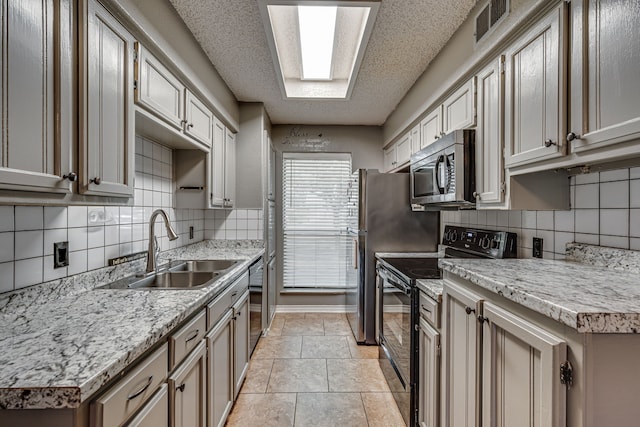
<point x="381" y="220"/>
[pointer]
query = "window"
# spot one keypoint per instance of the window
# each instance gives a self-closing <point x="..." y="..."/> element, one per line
<point x="315" y="216"/>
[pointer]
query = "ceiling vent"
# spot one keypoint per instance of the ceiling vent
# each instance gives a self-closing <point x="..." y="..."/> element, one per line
<point x="490" y="15"/>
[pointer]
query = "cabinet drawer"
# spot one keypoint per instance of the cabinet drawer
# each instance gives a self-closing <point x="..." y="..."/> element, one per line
<point x="128" y="394"/>
<point x="218" y="307"/>
<point x="429" y="310"/>
<point x="187" y="338"/>
<point x="155" y="413"/>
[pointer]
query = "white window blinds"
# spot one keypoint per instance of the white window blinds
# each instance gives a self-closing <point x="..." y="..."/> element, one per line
<point x="315" y="215"/>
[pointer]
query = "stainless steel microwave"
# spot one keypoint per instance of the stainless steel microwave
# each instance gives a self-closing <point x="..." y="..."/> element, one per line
<point x="443" y="173"/>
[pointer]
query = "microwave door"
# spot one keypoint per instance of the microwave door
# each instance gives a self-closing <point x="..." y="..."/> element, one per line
<point x="425" y="180"/>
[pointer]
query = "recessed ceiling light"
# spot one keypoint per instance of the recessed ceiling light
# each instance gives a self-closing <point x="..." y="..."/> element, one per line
<point x="317" y="48"/>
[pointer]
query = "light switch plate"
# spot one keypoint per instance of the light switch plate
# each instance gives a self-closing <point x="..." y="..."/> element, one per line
<point x="60" y="254"/>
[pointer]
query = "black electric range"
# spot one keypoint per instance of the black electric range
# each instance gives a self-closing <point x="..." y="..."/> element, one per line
<point x="414" y="268"/>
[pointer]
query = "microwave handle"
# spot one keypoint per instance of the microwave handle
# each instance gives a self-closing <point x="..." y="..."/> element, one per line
<point x="441" y="159"/>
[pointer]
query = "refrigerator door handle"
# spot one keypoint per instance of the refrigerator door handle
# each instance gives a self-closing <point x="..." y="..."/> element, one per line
<point x="355" y="252"/>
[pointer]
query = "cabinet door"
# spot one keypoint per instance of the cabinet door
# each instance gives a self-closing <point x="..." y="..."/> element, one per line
<point x="428" y="376"/>
<point x="155" y="413"/>
<point x="415" y="139"/>
<point x="521" y="380"/>
<point x="605" y="94"/>
<point x="389" y="161"/>
<point x="431" y="127"/>
<point x="460" y="356"/>
<point x="217" y="164"/>
<point x="489" y="136"/>
<point x="241" y="341"/>
<point x="187" y="390"/>
<point x="107" y="145"/>
<point x="403" y="150"/>
<point x="220" y="371"/>
<point x="459" y="110"/>
<point x="32" y="156"/>
<point x="271" y="283"/>
<point x="198" y="120"/>
<point x="229" y="168"/>
<point x="158" y="90"/>
<point x="535" y="78"/>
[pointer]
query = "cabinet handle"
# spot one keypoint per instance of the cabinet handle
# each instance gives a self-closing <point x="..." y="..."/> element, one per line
<point x="482" y="319"/>
<point x="142" y="390"/>
<point x="95" y="180"/>
<point x="436" y="137"/>
<point x="442" y="134"/>
<point x="476" y="195"/>
<point x="425" y="308"/>
<point x="548" y="143"/>
<point x="469" y="310"/>
<point x="190" y="125"/>
<point x="181" y="387"/>
<point x="71" y="176"/>
<point x="571" y="136"/>
<point x="192" y="337"/>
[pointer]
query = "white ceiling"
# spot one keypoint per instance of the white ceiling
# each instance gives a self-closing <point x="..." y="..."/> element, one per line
<point x="407" y="35"/>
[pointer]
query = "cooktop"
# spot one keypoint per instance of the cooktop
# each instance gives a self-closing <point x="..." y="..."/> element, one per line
<point x="415" y="268"/>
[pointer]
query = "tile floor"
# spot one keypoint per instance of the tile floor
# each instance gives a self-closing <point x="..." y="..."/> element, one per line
<point x="309" y="371"/>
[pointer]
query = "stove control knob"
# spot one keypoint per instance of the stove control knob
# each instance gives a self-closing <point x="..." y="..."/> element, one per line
<point x="453" y="236"/>
<point x="485" y="242"/>
<point x="495" y="243"/>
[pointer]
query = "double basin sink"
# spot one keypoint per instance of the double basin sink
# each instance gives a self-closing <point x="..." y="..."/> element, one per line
<point x="178" y="275"/>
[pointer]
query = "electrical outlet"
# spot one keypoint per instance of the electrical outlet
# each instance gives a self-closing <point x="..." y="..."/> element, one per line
<point x="537" y="247"/>
<point x="60" y="254"/>
<point x="190" y="232"/>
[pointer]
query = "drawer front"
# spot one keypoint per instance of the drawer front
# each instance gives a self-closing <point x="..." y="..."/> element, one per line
<point x="429" y="310"/>
<point x="187" y="338"/>
<point x="155" y="413"/>
<point x="239" y="287"/>
<point x="128" y="394"/>
<point x="219" y="306"/>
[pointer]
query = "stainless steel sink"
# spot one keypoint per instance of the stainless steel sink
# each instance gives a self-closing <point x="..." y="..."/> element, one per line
<point x="216" y="265"/>
<point x="166" y="280"/>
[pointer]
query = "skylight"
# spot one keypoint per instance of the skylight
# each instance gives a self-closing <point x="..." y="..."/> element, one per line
<point x="317" y="48"/>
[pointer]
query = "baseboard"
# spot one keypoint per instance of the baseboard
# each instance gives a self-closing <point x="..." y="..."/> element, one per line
<point x="311" y="309"/>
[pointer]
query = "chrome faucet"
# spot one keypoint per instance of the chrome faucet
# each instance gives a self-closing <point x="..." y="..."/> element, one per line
<point x="152" y="255"/>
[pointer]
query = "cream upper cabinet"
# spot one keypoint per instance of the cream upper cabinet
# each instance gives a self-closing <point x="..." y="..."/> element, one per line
<point x="520" y="372"/>
<point x="431" y="127"/>
<point x="415" y="139"/>
<point x="223" y="166"/>
<point x="459" y="109"/>
<point x="157" y="89"/>
<point x="389" y="158"/>
<point x="107" y="124"/>
<point x="535" y="104"/>
<point x="605" y="64"/>
<point x="35" y="47"/>
<point x="490" y="181"/>
<point x="187" y="390"/>
<point x="403" y="150"/>
<point x="198" y="120"/>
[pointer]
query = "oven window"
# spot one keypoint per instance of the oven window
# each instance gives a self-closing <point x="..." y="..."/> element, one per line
<point x="424" y="182"/>
<point x="396" y="326"/>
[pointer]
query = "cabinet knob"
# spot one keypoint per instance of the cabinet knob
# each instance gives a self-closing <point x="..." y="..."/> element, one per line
<point x="95" y="180"/>
<point x="549" y="143"/>
<point x="181" y="387"/>
<point x="436" y="137"/>
<point x="476" y="195"/>
<point x="482" y="319"/>
<point x="571" y="136"/>
<point x="442" y="134"/>
<point x="190" y="125"/>
<point x="71" y="176"/>
<point x="469" y="310"/>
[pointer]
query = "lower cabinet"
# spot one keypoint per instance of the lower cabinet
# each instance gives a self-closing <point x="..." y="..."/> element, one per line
<point x="241" y="341"/>
<point x="154" y="413"/>
<point x="220" y="371"/>
<point x="187" y="390"/>
<point x="498" y="368"/>
<point x="428" y="375"/>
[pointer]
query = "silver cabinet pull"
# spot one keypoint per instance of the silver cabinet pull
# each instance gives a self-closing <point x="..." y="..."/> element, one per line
<point x="142" y="390"/>
<point x="571" y="136"/>
<point x="95" y="180"/>
<point x="192" y="337"/>
<point x="71" y="176"/>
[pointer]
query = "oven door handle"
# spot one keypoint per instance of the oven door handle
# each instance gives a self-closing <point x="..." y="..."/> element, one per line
<point x="402" y="286"/>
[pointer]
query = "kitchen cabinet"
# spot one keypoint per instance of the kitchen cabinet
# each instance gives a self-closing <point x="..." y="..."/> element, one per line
<point x="187" y="390"/>
<point x="398" y="154"/>
<point x="186" y="338"/>
<point x="535" y="83"/>
<point x="499" y="368"/>
<point x="490" y="179"/>
<point x="161" y="93"/>
<point x="272" y="291"/>
<point x="459" y="109"/>
<point x="240" y="341"/>
<point x="36" y="83"/>
<point x="415" y="139"/>
<point x="605" y="95"/>
<point x="223" y="166"/>
<point x="107" y="141"/>
<point x="155" y="413"/>
<point x="428" y="375"/>
<point x="220" y="383"/>
<point x="431" y="127"/>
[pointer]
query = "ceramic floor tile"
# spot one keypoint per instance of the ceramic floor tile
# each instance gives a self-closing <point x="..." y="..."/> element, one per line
<point x="272" y="410"/>
<point x="278" y="348"/>
<point x="337" y="327"/>
<point x="290" y="316"/>
<point x="355" y="375"/>
<point x="276" y="326"/>
<point x="324" y="347"/>
<point x="303" y="327"/>
<point x="362" y="351"/>
<point x="298" y="375"/>
<point x="326" y="316"/>
<point x="330" y="410"/>
<point x="381" y="410"/>
<point x="257" y="376"/>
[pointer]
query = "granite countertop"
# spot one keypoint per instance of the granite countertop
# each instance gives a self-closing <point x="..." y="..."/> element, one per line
<point x="431" y="287"/>
<point x="62" y="341"/>
<point x="590" y="299"/>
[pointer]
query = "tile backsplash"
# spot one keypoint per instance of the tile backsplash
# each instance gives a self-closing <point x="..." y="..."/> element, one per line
<point x="99" y="233"/>
<point x="605" y="211"/>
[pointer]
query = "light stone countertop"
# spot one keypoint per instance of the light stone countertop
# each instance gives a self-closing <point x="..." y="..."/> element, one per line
<point x="62" y="341"/>
<point x="431" y="287"/>
<point x="590" y="299"/>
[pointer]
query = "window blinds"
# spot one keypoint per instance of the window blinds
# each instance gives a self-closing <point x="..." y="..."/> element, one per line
<point x="315" y="215"/>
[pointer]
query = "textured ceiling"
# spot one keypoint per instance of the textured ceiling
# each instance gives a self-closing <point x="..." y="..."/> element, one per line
<point x="407" y="35"/>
